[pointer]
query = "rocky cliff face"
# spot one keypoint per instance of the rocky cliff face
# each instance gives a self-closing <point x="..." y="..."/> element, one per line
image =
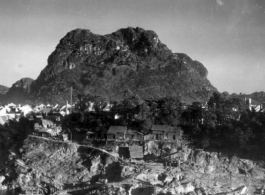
<point x="19" y="92"/>
<point x="131" y="58"/>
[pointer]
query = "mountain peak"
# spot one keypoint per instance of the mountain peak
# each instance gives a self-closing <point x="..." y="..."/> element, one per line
<point x="129" y="58"/>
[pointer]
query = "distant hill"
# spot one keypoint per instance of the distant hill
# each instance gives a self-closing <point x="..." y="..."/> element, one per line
<point x="106" y="65"/>
<point x="3" y="89"/>
<point x="19" y="92"/>
<point x="257" y="98"/>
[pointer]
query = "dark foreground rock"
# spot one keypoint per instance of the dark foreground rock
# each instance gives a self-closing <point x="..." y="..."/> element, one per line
<point x="65" y="167"/>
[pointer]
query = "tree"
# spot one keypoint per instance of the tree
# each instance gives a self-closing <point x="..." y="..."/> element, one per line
<point x="167" y="111"/>
<point x="128" y="107"/>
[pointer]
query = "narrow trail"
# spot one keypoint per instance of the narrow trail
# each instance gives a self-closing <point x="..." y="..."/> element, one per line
<point x="91" y="187"/>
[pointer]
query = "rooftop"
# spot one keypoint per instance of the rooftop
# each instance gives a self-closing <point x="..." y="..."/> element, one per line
<point x="165" y="128"/>
<point x="117" y="129"/>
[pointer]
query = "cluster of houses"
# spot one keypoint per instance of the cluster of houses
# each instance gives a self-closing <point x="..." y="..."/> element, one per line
<point x="252" y="105"/>
<point x="15" y="112"/>
<point x="47" y="119"/>
<point x="130" y="142"/>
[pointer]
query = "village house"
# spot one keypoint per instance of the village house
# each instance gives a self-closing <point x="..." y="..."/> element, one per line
<point x="133" y="135"/>
<point x="175" y="134"/>
<point x="46" y="111"/>
<point x="55" y="116"/>
<point x="37" y="126"/>
<point x="3" y="111"/>
<point x="13" y="112"/>
<point x="254" y="105"/>
<point x="136" y="152"/>
<point x="116" y="133"/>
<point x="166" y="133"/>
<point x="4" y="120"/>
<point x="66" y="109"/>
<point x="38" y="117"/>
<point x="159" y="130"/>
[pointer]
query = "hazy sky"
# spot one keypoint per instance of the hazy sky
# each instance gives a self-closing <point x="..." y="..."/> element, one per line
<point x="227" y="36"/>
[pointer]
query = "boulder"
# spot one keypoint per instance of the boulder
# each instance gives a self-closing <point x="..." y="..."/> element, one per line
<point x="210" y="169"/>
<point x="200" y="158"/>
<point x="186" y="154"/>
<point x="151" y="178"/>
<point x="257" y="173"/>
<point x="183" y="189"/>
<point x="175" y="153"/>
<point x="243" y="190"/>
<point x="152" y="147"/>
<point x="96" y="165"/>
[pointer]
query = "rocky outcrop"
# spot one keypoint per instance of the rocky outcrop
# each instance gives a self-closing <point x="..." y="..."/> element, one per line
<point x="130" y="58"/>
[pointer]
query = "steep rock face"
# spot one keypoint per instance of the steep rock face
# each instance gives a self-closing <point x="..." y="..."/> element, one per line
<point x="131" y="58"/>
<point x="19" y="92"/>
